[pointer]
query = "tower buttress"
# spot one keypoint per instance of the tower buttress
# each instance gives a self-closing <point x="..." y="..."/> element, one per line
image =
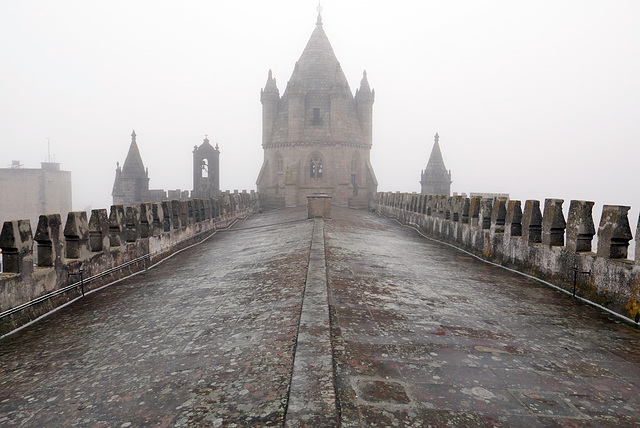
<point x="364" y="104"/>
<point x="269" y="97"/>
<point x="206" y="170"/>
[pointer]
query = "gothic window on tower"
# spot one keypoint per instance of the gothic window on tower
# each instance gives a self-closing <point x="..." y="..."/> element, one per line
<point x="279" y="162"/>
<point x="316" y="167"/>
<point x="355" y="160"/>
<point x="316" y="117"/>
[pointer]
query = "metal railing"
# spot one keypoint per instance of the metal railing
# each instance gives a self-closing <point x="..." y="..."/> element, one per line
<point x="199" y="238"/>
<point x="80" y="284"/>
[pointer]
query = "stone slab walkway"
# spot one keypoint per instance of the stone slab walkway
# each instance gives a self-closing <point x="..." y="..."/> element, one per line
<point x="312" y="398"/>
<point x="421" y="335"/>
<point x="204" y="339"/>
<point x="426" y="335"/>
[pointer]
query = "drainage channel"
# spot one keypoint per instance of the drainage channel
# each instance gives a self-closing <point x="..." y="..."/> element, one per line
<point x="312" y="399"/>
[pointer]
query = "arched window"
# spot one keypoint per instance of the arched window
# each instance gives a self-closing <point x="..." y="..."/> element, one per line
<point x="355" y="162"/>
<point x="279" y="162"/>
<point x="315" y="166"/>
<point x="355" y="168"/>
<point x="204" y="166"/>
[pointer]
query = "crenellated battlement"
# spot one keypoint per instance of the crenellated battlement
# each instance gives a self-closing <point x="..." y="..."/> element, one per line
<point x="88" y="253"/>
<point x="534" y="241"/>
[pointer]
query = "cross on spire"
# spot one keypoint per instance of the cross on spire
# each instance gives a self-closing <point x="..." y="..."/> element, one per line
<point x="319" y="9"/>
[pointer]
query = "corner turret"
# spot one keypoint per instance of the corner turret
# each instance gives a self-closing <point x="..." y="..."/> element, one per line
<point x="269" y="97"/>
<point x="435" y="179"/>
<point x="132" y="181"/>
<point x="364" y="105"/>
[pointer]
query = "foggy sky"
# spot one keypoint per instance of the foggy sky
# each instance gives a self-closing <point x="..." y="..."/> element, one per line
<point x="535" y="99"/>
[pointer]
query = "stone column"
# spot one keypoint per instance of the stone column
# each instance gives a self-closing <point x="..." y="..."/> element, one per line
<point x="157" y="211"/>
<point x="532" y="222"/>
<point x="175" y="214"/>
<point x="116" y="226"/>
<point x="98" y="230"/>
<point x="50" y="240"/>
<point x="16" y="243"/>
<point x="614" y="232"/>
<point x="146" y="220"/>
<point x="474" y="210"/>
<point x="76" y="234"/>
<point x="513" y="220"/>
<point x="553" y="223"/>
<point x="132" y="224"/>
<point x="580" y="227"/>
<point x="499" y="215"/>
<point x="465" y="208"/>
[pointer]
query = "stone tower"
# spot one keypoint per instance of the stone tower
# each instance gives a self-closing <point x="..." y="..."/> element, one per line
<point x="436" y="179"/>
<point x="317" y="136"/>
<point x="206" y="171"/>
<point x="131" y="185"/>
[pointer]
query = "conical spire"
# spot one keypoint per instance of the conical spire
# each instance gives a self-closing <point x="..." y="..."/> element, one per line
<point x="316" y="68"/>
<point x="364" y="92"/>
<point x="133" y="163"/>
<point x="364" y="83"/>
<point x="319" y="9"/>
<point x="340" y="85"/>
<point x="436" y="179"/>
<point x="436" y="162"/>
<point x="316" y="86"/>
<point x="270" y="91"/>
<point x="271" y="85"/>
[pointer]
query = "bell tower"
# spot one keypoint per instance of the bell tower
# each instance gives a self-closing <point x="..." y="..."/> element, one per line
<point x="206" y="171"/>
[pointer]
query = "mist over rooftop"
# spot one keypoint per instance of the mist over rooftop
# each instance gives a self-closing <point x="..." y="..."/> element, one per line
<point x="535" y="100"/>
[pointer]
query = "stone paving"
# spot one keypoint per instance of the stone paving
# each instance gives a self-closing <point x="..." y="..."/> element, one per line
<point x="204" y="339"/>
<point x="422" y="335"/>
<point x="312" y="396"/>
<point x="425" y="335"/>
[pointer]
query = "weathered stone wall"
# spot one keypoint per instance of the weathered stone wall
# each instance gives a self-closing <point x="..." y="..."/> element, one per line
<point x="537" y="240"/>
<point x="100" y="249"/>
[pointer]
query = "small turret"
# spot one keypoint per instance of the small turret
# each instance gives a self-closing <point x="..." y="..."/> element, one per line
<point x="269" y="97"/>
<point x="364" y="105"/>
<point x="132" y="181"/>
<point x="436" y="179"/>
<point x="133" y="162"/>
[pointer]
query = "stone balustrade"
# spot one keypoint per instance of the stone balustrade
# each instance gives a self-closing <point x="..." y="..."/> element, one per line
<point x="101" y="248"/>
<point x="540" y="243"/>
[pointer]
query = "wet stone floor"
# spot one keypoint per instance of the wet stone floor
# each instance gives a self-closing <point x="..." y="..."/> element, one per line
<point x="204" y="339"/>
<point x="421" y="335"/>
<point x="425" y="335"/>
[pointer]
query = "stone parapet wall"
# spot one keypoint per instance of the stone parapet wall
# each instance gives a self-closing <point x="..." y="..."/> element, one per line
<point x="535" y="240"/>
<point x="59" y="262"/>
